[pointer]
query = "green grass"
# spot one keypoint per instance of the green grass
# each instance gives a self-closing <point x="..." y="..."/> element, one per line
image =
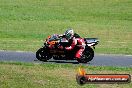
<point x="29" y="75"/>
<point x="25" y="23"/>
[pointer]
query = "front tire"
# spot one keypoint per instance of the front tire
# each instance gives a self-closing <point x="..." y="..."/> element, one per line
<point x="43" y="55"/>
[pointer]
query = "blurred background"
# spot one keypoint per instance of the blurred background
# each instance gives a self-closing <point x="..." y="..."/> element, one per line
<point x="24" y="24"/>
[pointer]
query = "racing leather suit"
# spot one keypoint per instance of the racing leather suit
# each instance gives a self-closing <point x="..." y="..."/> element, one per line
<point x="79" y="42"/>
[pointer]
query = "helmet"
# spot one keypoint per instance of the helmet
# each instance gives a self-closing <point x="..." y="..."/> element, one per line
<point x="69" y="33"/>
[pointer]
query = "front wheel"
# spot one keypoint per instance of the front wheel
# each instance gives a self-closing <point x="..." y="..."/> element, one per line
<point x="43" y="55"/>
<point x="87" y="55"/>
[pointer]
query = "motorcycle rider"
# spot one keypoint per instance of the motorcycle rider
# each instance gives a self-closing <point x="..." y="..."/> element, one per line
<point x="79" y="42"/>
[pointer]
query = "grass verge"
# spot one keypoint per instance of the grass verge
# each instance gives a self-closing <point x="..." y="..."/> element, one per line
<point x="31" y="75"/>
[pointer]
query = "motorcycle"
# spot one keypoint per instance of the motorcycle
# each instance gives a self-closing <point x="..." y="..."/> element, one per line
<point x="51" y="49"/>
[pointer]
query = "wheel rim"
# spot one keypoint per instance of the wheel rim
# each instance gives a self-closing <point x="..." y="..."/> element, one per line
<point x="42" y="55"/>
<point x="86" y="56"/>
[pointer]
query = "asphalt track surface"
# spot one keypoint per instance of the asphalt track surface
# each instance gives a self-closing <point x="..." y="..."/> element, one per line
<point x="99" y="59"/>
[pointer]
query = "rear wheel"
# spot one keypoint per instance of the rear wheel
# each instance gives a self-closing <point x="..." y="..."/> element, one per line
<point x="43" y="55"/>
<point x="87" y="55"/>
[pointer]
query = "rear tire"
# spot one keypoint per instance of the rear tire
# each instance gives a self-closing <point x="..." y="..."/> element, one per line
<point x="87" y="55"/>
<point x="89" y="51"/>
<point x="43" y="55"/>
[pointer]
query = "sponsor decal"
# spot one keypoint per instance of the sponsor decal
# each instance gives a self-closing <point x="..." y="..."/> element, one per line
<point x="83" y="78"/>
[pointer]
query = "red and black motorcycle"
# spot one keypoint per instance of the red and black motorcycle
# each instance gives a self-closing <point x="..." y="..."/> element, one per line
<point x="51" y="49"/>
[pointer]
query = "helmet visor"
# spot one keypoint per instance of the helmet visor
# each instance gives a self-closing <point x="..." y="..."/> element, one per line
<point x="68" y="36"/>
